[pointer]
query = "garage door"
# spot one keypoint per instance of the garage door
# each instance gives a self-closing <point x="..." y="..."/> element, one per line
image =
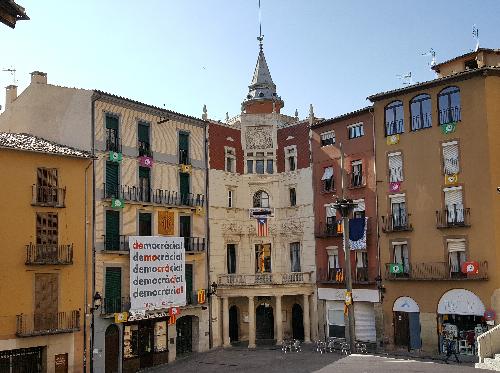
<point x="365" y="321"/>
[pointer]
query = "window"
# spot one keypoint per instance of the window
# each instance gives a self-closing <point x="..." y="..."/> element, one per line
<point x="230" y="159"/>
<point x="291" y="158"/>
<point x="293" y="197"/>
<point x="357" y="173"/>
<point x="333" y="260"/>
<point x="112" y="139"/>
<point x="262" y="258"/>
<point x="332" y="225"/>
<point x="395" y="167"/>
<point x="327" y="138"/>
<point x="113" y="290"/>
<point x="400" y="256"/>
<point x="394" y="122"/>
<point x="184" y="148"/>
<point x="449" y="105"/>
<point x="470" y="64"/>
<point x="184" y="188"/>
<point x="420" y="108"/>
<point x="453" y="200"/>
<point x="259" y="166"/>
<point x="144" y="184"/>
<point x="361" y="266"/>
<point x="336" y="321"/>
<point x="327" y="179"/>
<point x="144" y="142"/>
<point x="46" y="186"/>
<point x="112" y="237"/>
<point x="112" y="184"/>
<point x="270" y="166"/>
<point x="230" y="194"/>
<point x="359" y="210"/>
<point x="261" y="199"/>
<point x="450" y="158"/>
<point x="398" y="210"/>
<point x="250" y="166"/>
<point x="144" y="224"/>
<point x="46" y="228"/>
<point x="356" y="130"/>
<point x="456" y="256"/>
<point x="231" y="258"/>
<point x="295" y="256"/>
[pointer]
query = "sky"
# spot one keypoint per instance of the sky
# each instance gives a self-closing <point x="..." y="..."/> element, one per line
<point x="186" y="53"/>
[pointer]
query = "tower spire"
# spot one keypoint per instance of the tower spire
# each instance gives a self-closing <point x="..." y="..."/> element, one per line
<point x="260" y="38"/>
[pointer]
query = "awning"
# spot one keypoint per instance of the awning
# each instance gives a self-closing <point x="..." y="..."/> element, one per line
<point x="328" y="173"/>
<point x="460" y="302"/>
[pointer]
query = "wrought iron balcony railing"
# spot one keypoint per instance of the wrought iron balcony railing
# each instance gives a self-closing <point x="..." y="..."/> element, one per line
<point x="264" y="279"/>
<point x="48" y="196"/>
<point x="194" y="244"/>
<point x="49" y="254"/>
<point x="184" y="157"/>
<point x="396" y="223"/>
<point x="113" y="144"/>
<point x="157" y="196"/>
<point x="115" y="242"/>
<point x="453" y="218"/>
<point x="114" y="305"/>
<point x="356" y="180"/>
<point x="332" y="228"/>
<point x="337" y="276"/>
<point x="434" y="271"/>
<point x="29" y="325"/>
<point x="145" y="149"/>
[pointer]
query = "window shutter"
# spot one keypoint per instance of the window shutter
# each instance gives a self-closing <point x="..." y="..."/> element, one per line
<point x="183" y="141"/>
<point x="111" y="122"/>
<point x="143" y="132"/>
<point x="450" y="158"/>
<point x="330" y="211"/>
<point x="360" y="206"/>
<point x="184" y="183"/>
<point x="143" y="173"/>
<point x="328" y="173"/>
<point x="113" y="289"/>
<point x="397" y="198"/>
<point x="189" y="280"/>
<point x="112" y="223"/>
<point x="453" y="197"/>
<point x="111" y="174"/>
<point x="456" y="245"/>
<point x="395" y="167"/>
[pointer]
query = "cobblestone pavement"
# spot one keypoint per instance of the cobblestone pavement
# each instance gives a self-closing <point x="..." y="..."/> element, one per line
<point x="264" y="360"/>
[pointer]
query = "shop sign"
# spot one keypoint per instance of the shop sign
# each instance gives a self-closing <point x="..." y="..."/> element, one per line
<point x="395" y="268"/>
<point x="470" y="268"/>
<point x="490" y="315"/>
<point x="157" y="272"/>
<point x="121" y="317"/>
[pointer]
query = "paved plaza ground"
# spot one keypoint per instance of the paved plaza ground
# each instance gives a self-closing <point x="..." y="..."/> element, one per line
<point x="264" y="360"/>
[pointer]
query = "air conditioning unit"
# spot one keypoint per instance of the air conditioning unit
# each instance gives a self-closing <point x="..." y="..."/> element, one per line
<point x="186" y="168"/>
<point x="199" y="210"/>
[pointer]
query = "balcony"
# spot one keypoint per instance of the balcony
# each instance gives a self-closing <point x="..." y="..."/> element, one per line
<point x="113" y="144"/>
<point x="115" y="242"/>
<point x="337" y="276"/>
<point x="453" y="218"/>
<point x="332" y="228"/>
<point x="37" y="254"/>
<point x="435" y="271"/>
<point x="449" y="115"/>
<point x="286" y="278"/>
<point x="356" y="181"/>
<point x="184" y="157"/>
<point x="194" y="244"/>
<point x="157" y="196"/>
<point x="396" y="223"/>
<point x="109" y="306"/>
<point x="145" y="149"/>
<point x="48" y="196"/>
<point x="47" y="323"/>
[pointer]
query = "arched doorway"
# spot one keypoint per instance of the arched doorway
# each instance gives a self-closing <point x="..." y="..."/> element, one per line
<point x="233" y="323"/>
<point x="184" y="342"/>
<point x="406" y="321"/>
<point x="111" y="349"/>
<point x="264" y="320"/>
<point x="297" y="322"/>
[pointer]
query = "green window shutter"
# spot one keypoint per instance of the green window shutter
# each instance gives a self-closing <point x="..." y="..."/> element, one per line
<point x="184" y="183"/>
<point x="143" y="132"/>
<point x="189" y="280"/>
<point x="113" y="290"/>
<point x="144" y="224"/>
<point x="112" y="230"/>
<point x="183" y="141"/>
<point x="111" y="122"/>
<point x="112" y="183"/>
<point x="144" y="173"/>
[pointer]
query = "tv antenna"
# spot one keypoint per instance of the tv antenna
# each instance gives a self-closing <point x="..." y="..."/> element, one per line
<point x="475" y="34"/>
<point x="12" y="72"/>
<point x="406" y="78"/>
<point x="431" y="53"/>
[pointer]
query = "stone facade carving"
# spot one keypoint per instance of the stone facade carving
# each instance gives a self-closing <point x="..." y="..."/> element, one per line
<point x="232" y="228"/>
<point x="259" y="138"/>
<point x="291" y="227"/>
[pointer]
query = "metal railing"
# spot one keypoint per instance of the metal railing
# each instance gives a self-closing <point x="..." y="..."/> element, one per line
<point x="115" y="242"/>
<point x="114" y="305"/>
<point x="488" y="344"/>
<point x="48" y="196"/>
<point x="396" y="223"/>
<point x="264" y="278"/>
<point x="156" y="196"/>
<point x="454" y="218"/>
<point x="337" y="275"/>
<point x="113" y="144"/>
<point x="394" y="127"/>
<point x="184" y="157"/>
<point x="28" y="325"/>
<point x="194" y="244"/>
<point x="332" y="228"/>
<point x="49" y="254"/>
<point x="145" y="149"/>
<point x="356" y="180"/>
<point x="422" y="121"/>
<point x="449" y="115"/>
<point x="435" y="271"/>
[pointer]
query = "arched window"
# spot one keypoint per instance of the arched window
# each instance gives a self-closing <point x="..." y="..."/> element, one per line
<point x="449" y="105"/>
<point x="261" y="199"/>
<point x="394" y="122"/>
<point x="420" y="108"/>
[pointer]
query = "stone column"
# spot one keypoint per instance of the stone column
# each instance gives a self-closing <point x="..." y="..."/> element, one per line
<point x="251" y="322"/>
<point x="307" y="321"/>
<point x="225" y="322"/>
<point x="279" y="321"/>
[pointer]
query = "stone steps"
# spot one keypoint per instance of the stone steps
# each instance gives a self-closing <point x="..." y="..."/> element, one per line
<point x="490" y="363"/>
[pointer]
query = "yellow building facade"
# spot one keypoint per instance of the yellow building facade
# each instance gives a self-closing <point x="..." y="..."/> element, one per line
<point x="46" y="255"/>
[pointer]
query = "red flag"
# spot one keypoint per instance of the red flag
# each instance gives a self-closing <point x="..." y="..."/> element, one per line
<point x="470" y="267"/>
<point x="262" y="227"/>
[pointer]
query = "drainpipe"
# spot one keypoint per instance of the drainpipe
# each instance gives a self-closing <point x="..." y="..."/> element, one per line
<point x="85" y="275"/>
<point x="210" y="331"/>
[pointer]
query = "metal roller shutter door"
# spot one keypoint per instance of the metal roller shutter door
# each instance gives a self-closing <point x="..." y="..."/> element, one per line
<point x="365" y="321"/>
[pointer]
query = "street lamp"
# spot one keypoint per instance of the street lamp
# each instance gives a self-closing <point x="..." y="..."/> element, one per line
<point x="346" y="206"/>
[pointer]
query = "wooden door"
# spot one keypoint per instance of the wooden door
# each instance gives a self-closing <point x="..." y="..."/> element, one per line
<point x="111" y="349"/>
<point x="401" y="329"/>
<point x="233" y="324"/>
<point x="46" y="300"/>
<point x="297" y="322"/>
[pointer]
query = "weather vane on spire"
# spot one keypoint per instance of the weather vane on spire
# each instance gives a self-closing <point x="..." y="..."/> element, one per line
<point x="260" y="38"/>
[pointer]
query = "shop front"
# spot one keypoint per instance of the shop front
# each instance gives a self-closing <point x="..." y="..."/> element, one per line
<point x="460" y="317"/>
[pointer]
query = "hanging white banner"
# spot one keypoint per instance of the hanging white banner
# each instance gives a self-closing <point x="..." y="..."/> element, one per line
<point x="157" y="278"/>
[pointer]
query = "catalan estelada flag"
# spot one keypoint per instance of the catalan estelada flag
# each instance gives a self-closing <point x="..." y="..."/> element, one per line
<point x="262" y="227"/>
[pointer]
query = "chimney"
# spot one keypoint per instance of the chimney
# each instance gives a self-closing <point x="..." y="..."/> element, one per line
<point x="38" y="77"/>
<point x="10" y="95"/>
